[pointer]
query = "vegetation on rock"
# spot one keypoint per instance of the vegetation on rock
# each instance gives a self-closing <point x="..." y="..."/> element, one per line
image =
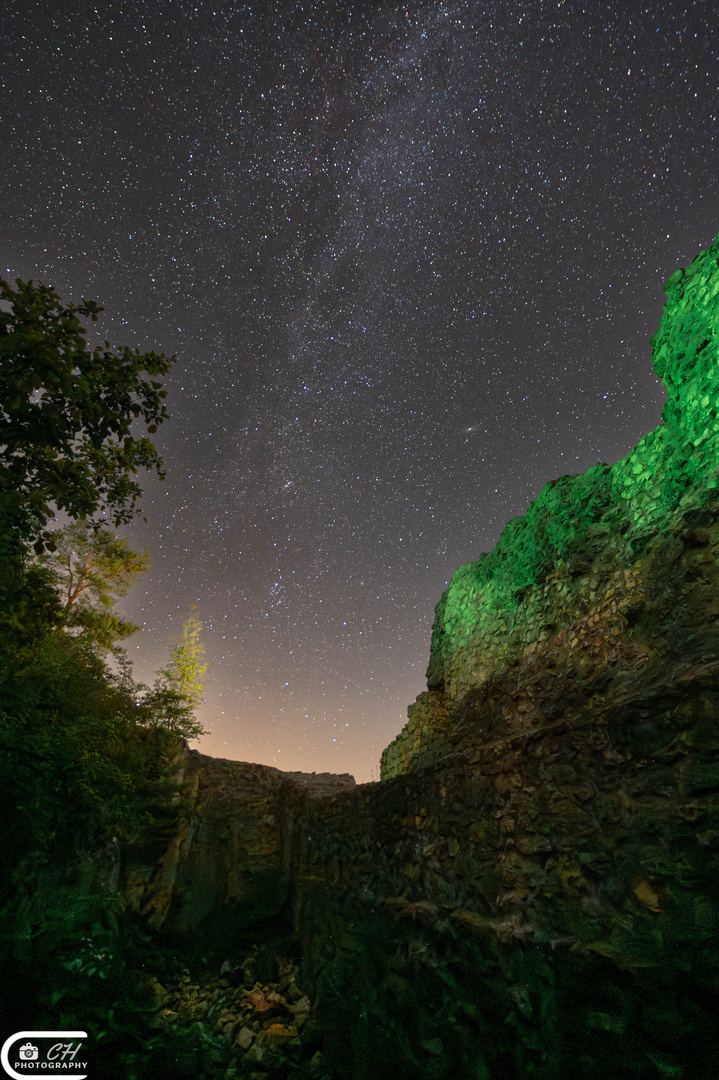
<point x="87" y="757"/>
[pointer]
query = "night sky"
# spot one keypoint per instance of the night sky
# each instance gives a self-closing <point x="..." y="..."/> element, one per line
<point x="409" y="258"/>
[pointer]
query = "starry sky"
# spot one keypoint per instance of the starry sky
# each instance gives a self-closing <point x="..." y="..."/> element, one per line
<point x="409" y="257"/>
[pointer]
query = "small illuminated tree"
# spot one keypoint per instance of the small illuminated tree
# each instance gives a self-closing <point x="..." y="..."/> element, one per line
<point x="176" y="694"/>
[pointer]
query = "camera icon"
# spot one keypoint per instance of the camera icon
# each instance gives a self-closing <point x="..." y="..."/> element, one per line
<point x="28" y="1052"/>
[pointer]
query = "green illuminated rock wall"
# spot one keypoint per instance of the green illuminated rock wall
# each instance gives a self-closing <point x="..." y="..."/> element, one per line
<point x="573" y="567"/>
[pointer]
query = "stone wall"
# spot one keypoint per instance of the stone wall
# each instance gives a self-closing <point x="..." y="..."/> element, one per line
<point x="582" y="572"/>
<point x="547" y="900"/>
<point x="223" y="851"/>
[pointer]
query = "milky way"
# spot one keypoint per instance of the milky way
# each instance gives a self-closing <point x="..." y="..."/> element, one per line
<point x="409" y="258"/>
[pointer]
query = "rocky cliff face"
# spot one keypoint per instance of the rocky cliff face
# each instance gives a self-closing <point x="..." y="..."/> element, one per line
<point x="608" y="573"/>
<point x="533" y="887"/>
<point x="227" y="847"/>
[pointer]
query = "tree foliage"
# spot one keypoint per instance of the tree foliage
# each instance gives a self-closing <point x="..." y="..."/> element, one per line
<point x="67" y="411"/>
<point x="92" y="569"/>
<point x="181" y="685"/>
<point x="87" y="756"/>
<point x="69" y="441"/>
<point x="186" y="670"/>
<point x="94" y="566"/>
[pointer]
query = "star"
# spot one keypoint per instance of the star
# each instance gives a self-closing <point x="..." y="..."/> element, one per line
<point x="361" y="236"/>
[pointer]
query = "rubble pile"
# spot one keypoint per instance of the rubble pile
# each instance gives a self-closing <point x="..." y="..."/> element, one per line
<point x="262" y="1024"/>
